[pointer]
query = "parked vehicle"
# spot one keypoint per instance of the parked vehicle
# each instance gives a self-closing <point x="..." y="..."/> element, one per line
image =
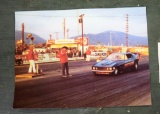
<point x="116" y="63"/>
<point x="18" y="59"/>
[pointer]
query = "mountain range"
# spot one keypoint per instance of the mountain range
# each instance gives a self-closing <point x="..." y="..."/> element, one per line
<point x="37" y="40"/>
<point x="104" y="38"/>
<point x="116" y="38"/>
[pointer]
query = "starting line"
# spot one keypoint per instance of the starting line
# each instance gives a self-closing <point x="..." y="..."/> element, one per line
<point x="27" y="75"/>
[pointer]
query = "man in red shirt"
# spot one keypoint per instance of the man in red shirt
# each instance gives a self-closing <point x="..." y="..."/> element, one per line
<point x="64" y="61"/>
<point x="30" y="58"/>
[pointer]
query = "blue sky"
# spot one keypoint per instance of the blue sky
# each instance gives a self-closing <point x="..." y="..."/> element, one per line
<point x="44" y="23"/>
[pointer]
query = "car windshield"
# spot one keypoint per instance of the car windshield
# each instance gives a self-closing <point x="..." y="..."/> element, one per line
<point x="116" y="56"/>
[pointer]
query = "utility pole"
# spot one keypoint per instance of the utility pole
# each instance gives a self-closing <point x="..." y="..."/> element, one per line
<point x="127" y="30"/>
<point x="23" y="43"/>
<point x="81" y="21"/>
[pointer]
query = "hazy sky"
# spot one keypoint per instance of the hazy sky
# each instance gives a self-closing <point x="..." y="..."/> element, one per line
<point x="44" y="23"/>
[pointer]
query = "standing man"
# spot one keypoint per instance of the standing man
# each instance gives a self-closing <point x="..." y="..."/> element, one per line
<point x="64" y="62"/>
<point x="88" y="53"/>
<point x="30" y="57"/>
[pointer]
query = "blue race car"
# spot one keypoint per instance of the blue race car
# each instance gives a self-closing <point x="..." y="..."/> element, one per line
<point x="116" y="63"/>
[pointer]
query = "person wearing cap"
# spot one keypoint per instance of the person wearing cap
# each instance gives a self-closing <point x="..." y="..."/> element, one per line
<point x="30" y="58"/>
<point x="64" y="62"/>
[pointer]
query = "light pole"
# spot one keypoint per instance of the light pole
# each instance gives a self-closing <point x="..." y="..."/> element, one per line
<point x="81" y="21"/>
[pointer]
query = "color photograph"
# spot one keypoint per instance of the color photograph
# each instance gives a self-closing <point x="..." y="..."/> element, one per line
<point x="82" y="58"/>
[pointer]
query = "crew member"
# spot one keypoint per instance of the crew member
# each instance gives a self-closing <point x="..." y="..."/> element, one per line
<point x="64" y="62"/>
<point x="88" y="53"/>
<point x="30" y="57"/>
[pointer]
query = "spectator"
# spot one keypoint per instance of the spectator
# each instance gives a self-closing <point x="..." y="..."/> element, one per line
<point x="79" y="53"/>
<point x="39" y="52"/>
<point x="88" y="53"/>
<point x="42" y="52"/>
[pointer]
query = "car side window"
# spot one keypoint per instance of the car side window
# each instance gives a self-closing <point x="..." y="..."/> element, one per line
<point x="129" y="56"/>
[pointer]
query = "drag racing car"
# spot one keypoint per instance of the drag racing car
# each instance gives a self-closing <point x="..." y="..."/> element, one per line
<point x="116" y="63"/>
